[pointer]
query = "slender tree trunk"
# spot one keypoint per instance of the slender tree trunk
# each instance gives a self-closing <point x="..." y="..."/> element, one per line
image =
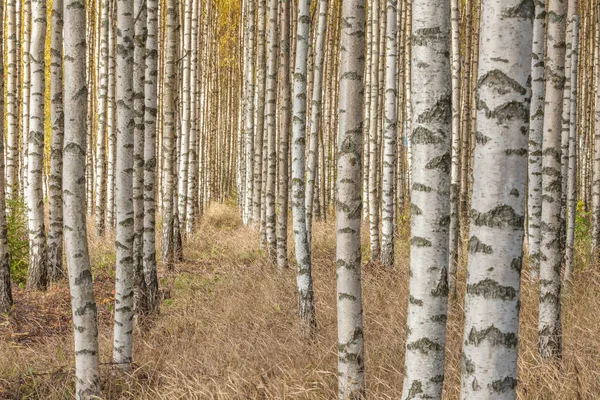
<point x="101" y="127"/>
<point x="284" y="128"/>
<point x="85" y="325"/>
<point x="549" y="329"/>
<point x="250" y="116"/>
<point x="455" y="170"/>
<point x="572" y="167"/>
<point x="37" y="273"/>
<point x="111" y="121"/>
<point x="389" y="138"/>
<point x="259" y="99"/>
<point x="595" y="236"/>
<point x="25" y="93"/>
<point x="192" y="190"/>
<point x="12" y="107"/>
<point x="125" y="274"/>
<point x="315" y="116"/>
<point x="6" y="300"/>
<point x="373" y="132"/>
<point x="306" y="307"/>
<point x="150" y="113"/>
<point x="536" y="129"/>
<point x="351" y="384"/>
<point x="55" y="231"/>
<point x="270" y="131"/>
<point x="169" y="141"/>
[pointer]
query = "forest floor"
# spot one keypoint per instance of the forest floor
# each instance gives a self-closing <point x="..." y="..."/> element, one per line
<point x="228" y="328"/>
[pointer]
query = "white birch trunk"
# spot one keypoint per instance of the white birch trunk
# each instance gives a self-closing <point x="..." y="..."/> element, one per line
<point x="124" y="276"/>
<point x="430" y="206"/>
<point x="489" y="358"/>
<point x="111" y="121"/>
<point x="351" y="385"/>
<point x="389" y="138"/>
<point x="37" y="273"/>
<point x="12" y="97"/>
<point x="85" y="326"/>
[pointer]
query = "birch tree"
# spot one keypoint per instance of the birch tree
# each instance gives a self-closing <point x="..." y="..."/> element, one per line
<point x="37" y="273"/>
<point x="101" y="127"/>
<point x="271" y="110"/>
<point x="12" y="107"/>
<point x="430" y="206"/>
<point x="55" y="226"/>
<point x="306" y="307"/>
<point x="150" y="114"/>
<point x="83" y="306"/>
<point x="6" y="300"/>
<point x="250" y="115"/>
<point x="25" y="92"/>
<point x="489" y="358"/>
<point x="549" y="329"/>
<point x="284" y="128"/>
<point x="389" y="139"/>
<point x="259" y="98"/>
<point x="536" y="128"/>
<point x="124" y="277"/>
<point x="351" y="384"/>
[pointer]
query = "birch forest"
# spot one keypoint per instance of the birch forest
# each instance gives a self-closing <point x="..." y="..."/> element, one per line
<point x="296" y="199"/>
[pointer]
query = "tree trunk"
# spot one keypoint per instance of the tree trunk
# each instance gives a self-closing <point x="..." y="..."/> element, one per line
<point x="315" y="116"/>
<point x="6" y="300"/>
<point x="250" y="116"/>
<point x="25" y="93"/>
<point x="489" y="358"/>
<point x="85" y="326"/>
<point x="284" y="128"/>
<point x="111" y="121"/>
<point x="150" y="112"/>
<point x="57" y="117"/>
<point x="306" y="307"/>
<point x="389" y="138"/>
<point x="351" y="385"/>
<point x="572" y="167"/>
<point x="12" y="97"/>
<point x="37" y="273"/>
<point x="536" y="128"/>
<point x="125" y="273"/>
<point x="549" y="329"/>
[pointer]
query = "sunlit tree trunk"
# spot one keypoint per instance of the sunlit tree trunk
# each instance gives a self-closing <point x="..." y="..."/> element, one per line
<point x="351" y="384"/>
<point x="536" y="129"/>
<point x="489" y="358"/>
<point x="389" y="138"/>
<point x="192" y="191"/>
<point x="37" y="273"/>
<point x="84" y="312"/>
<point x="25" y="92"/>
<point x="250" y="115"/>
<point x="284" y="134"/>
<point x="549" y="329"/>
<point x="124" y="277"/>
<point x="55" y="226"/>
<point x="259" y="99"/>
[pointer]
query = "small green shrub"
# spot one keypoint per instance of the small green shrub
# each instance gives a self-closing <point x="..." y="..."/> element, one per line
<point x="18" y="242"/>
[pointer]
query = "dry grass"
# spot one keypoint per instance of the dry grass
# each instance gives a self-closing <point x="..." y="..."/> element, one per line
<point x="229" y="331"/>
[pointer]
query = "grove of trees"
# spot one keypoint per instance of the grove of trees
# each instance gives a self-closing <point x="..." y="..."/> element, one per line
<point x="474" y="122"/>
